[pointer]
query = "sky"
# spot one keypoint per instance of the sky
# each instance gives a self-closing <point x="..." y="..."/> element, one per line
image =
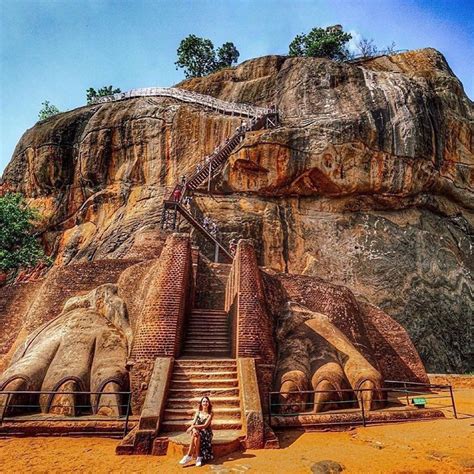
<point x="55" y="49"/>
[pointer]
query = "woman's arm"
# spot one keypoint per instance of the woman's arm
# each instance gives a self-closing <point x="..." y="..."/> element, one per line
<point x="206" y="424"/>
<point x="193" y="423"/>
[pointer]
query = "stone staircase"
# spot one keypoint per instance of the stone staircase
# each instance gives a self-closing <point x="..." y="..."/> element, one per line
<point x="194" y="378"/>
<point x="207" y="334"/>
<point x="205" y="367"/>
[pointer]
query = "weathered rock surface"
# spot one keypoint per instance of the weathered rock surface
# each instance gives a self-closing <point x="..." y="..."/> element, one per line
<point x="367" y="182"/>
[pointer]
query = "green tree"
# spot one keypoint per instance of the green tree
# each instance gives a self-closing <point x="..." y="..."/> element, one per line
<point x="227" y="55"/>
<point x="322" y="43"/>
<point x="18" y="245"/>
<point x="198" y="58"/>
<point x="47" y="110"/>
<point x="92" y="95"/>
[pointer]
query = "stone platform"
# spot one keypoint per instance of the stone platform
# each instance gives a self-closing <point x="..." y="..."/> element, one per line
<point x="224" y="442"/>
<point x="47" y="425"/>
<point x="353" y="417"/>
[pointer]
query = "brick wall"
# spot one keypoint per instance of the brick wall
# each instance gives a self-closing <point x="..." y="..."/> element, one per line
<point x="161" y="319"/>
<point x="252" y="333"/>
<point x="160" y="323"/>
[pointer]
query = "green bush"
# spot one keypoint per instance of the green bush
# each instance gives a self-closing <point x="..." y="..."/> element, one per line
<point x="47" y="110"/>
<point x="18" y="245"/>
<point x="322" y="43"/>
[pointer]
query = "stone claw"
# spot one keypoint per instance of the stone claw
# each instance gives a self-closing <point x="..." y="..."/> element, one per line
<point x="327" y="400"/>
<point x="109" y="401"/>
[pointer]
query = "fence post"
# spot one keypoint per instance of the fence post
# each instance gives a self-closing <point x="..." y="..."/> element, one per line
<point x="362" y="408"/>
<point x="269" y="409"/>
<point x="5" y="408"/>
<point x="125" y="428"/>
<point x="406" y="394"/>
<point x="452" y="401"/>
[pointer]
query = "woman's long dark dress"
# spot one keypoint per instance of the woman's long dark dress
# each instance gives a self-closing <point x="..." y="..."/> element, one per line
<point x="205" y="435"/>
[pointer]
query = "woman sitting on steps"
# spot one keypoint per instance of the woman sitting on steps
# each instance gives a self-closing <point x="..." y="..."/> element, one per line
<point x="201" y="434"/>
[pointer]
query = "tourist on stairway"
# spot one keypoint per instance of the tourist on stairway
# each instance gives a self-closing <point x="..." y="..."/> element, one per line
<point x="201" y="435"/>
<point x="177" y="194"/>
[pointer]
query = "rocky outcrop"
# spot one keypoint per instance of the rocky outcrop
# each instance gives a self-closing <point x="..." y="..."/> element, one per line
<point x="367" y="182"/>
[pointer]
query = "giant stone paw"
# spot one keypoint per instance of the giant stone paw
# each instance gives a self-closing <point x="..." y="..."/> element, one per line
<point x="316" y="355"/>
<point x="84" y="349"/>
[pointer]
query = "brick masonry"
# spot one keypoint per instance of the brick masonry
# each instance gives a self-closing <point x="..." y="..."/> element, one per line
<point x="252" y="322"/>
<point x="161" y="320"/>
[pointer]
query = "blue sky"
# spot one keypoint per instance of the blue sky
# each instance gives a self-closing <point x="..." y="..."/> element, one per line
<point x="55" y="49"/>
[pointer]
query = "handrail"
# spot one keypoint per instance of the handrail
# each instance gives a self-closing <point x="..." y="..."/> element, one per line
<point x="380" y="54"/>
<point x="207" y="169"/>
<point x="415" y="391"/>
<point x="7" y="403"/>
<point x="188" y="96"/>
<point x="189" y="217"/>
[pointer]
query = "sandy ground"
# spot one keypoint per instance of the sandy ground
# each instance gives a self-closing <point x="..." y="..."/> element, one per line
<point x="439" y="446"/>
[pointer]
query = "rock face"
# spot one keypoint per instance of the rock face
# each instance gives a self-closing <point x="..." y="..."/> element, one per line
<point x="366" y="182"/>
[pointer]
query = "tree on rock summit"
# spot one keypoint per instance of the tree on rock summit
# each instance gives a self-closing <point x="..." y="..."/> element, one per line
<point x="198" y="58"/>
<point x="47" y="110"/>
<point x="327" y="42"/>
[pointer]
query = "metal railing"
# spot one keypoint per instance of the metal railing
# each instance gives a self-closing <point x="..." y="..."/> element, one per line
<point x="87" y="410"/>
<point x="379" y="54"/>
<point x="395" y="394"/>
<point x="183" y="95"/>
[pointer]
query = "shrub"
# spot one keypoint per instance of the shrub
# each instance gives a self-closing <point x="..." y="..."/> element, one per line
<point x="47" y="110"/>
<point x="322" y="43"/>
<point x="18" y="245"/>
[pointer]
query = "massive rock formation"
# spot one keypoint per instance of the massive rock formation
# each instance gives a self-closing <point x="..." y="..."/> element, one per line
<point x="367" y="182"/>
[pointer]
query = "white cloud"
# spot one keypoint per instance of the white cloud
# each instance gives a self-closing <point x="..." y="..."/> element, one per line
<point x="352" y="45"/>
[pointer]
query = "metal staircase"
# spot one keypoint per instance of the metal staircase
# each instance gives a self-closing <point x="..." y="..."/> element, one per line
<point x="207" y="170"/>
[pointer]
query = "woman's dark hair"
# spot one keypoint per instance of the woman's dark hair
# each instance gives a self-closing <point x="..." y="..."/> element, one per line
<point x="209" y="406"/>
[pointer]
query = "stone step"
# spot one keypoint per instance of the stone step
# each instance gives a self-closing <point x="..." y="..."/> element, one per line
<point x="224" y="442"/>
<point x="191" y="374"/>
<point x="206" y="363"/>
<point x="207" y="343"/>
<point x="208" y="311"/>
<point x="207" y="319"/>
<point x="208" y="316"/>
<point x="203" y="353"/>
<point x="209" y="349"/>
<point x="182" y="425"/>
<point x="207" y="337"/>
<point x="211" y="329"/>
<point x="193" y="403"/>
<point x="203" y="391"/>
<point x="221" y="337"/>
<point x="205" y="327"/>
<point x="198" y="383"/>
<point x="188" y="413"/>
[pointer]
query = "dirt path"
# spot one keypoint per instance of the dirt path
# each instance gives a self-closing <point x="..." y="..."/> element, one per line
<point x="420" y="447"/>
